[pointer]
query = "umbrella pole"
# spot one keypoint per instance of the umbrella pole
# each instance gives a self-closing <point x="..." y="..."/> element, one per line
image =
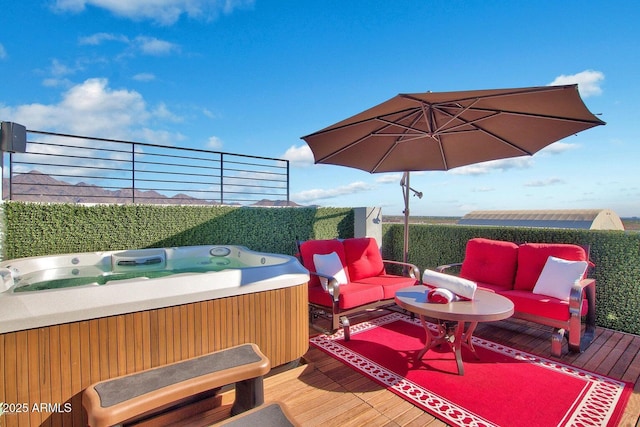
<point x="405" y="190"/>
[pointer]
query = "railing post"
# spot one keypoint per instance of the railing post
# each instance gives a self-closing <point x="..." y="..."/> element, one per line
<point x="133" y="173"/>
<point x="10" y="174"/>
<point x="222" y="178"/>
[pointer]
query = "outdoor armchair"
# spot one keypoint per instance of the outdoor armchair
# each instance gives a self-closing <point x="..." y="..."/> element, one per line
<point x="349" y="276"/>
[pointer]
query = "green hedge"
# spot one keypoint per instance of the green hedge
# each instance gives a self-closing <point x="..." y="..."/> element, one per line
<point x="32" y="229"/>
<point x="616" y="255"/>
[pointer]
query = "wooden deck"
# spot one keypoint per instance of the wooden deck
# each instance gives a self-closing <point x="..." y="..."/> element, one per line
<point x="322" y="391"/>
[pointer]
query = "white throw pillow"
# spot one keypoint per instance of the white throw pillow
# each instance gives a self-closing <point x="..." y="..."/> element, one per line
<point x="330" y="265"/>
<point x="458" y="285"/>
<point x="558" y="276"/>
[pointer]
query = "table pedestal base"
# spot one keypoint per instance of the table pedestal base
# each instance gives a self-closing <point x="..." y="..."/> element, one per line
<point x="454" y="337"/>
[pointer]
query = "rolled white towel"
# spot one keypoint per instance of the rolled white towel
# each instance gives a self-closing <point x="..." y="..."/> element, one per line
<point x="441" y="296"/>
<point x="459" y="286"/>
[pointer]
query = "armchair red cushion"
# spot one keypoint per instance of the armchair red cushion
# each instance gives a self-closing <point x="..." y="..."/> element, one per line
<point x="490" y="261"/>
<point x="363" y="258"/>
<point x="351" y="295"/>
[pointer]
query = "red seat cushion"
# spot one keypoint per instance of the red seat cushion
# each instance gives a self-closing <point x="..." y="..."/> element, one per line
<point x="351" y="295"/>
<point x="490" y="261"/>
<point x="390" y="283"/>
<point x="491" y="287"/>
<point x="533" y="256"/>
<point x="541" y="305"/>
<point x="322" y="247"/>
<point x="363" y="258"/>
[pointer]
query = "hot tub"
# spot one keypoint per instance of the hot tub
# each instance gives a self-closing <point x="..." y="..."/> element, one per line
<point x="111" y="313"/>
<point x="46" y="290"/>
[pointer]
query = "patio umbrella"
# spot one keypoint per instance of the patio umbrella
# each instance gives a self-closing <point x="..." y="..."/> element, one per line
<point x="444" y="130"/>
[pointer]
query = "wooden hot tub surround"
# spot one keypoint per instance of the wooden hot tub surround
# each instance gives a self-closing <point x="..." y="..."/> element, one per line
<point x="44" y="370"/>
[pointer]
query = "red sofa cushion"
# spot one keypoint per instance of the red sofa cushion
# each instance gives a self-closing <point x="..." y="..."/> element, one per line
<point x="533" y="256"/>
<point x="323" y="247"/>
<point x="363" y="258"/>
<point x="351" y="295"/>
<point x="541" y="305"/>
<point x="490" y="261"/>
<point x="390" y="283"/>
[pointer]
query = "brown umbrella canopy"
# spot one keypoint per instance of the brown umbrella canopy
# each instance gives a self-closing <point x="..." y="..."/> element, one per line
<point x="440" y="131"/>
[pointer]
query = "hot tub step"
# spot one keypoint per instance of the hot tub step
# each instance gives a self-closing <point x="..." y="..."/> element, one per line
<point x="123" y="398"/>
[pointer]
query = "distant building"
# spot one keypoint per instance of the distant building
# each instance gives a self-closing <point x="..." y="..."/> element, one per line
<point x="589" y="219"/>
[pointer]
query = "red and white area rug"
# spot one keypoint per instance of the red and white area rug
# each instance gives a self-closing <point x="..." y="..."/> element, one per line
<point x="504" y="387"/>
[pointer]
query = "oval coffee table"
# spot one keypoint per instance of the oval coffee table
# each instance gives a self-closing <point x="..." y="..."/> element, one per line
<point x="485" y="307"/>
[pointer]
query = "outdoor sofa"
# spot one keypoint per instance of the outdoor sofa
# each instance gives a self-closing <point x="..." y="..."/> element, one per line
<point x="547" y="283"/>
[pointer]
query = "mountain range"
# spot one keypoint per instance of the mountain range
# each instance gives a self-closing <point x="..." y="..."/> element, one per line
<point x="35" y="186"/>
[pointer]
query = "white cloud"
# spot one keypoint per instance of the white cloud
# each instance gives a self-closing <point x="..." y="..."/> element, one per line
<point x="208" y="113"/>
<point x="59" y="69"/>
<point x="545" y="182"/>
<point x="144" y="77"/>
<point x="494" y="166"/>
<point x="214" y="143"/>
<point x="299" y="156"/>
<point x="3" y="52"/>
<point x="92" y="108"/>
<point x="155" y="47"/>
<point x="162" y="112"/>
<point x="321" y="194"/>
<point x="164" y="12"/>
<point x="559" y="147"/>
<point x="56" y="82"/>
<point x="389" y="178"/>
<point x="483" y="189"/>
<point x="99" y="38"/>
<point x="588" y="81"/>
<point x="154" y="136"/>
<point x="144" y="44"/>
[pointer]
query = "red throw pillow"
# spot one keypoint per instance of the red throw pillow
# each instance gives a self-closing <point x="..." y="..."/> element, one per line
<point x="363" y="258"/>
<point x="490" y="261"/>
<point x="533" y="256"/>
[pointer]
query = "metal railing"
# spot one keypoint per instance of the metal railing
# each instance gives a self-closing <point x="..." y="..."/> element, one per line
<point x="78" y="169"/>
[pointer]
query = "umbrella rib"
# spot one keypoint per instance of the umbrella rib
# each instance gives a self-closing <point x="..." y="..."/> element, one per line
<point x="455" y="116"/>
<point x="491" y="134"/>
<point x="346" y="147"/>
<point x="400" y="125"/>
<point x="359" y="140"/>
<point x="537" y="116"/>
<point x="398" y="140"/>
<point x="441" y="147"/>
<point x="429" y="118"/>
<point x="334" y="128"/>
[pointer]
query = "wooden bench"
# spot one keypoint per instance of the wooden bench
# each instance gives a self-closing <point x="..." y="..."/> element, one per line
<point x="269" y="414"/>
<point x="113" y="401"/>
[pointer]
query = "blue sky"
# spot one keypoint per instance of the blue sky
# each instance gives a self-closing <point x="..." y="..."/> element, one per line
<point x="253" y="77"/>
